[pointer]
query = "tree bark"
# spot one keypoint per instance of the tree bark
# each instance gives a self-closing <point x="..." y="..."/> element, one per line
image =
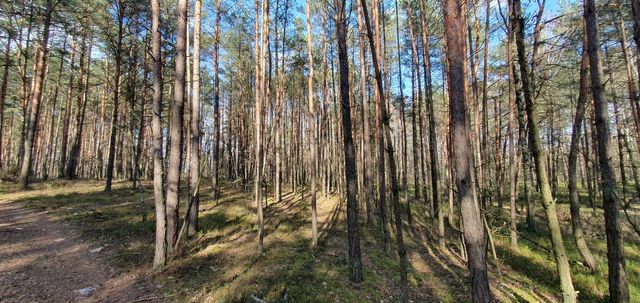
<point x="475" y="238"/>
<point x="216" y="106"/>
<point x="312" y="132"/>
<point x="160" y="255"/>
<point x="548" y="202"/>
<point x="3" y="89"/>
<point x="618" y="282"/>
<point x="40" y="72"/>
<point x="195" y="124"/>
<point x="353" y="234"/>
<point x="175" y="131"/>
<point x="574" y="197"/>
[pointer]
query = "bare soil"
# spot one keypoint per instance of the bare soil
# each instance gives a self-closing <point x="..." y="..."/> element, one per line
<point x="43" y="260"/>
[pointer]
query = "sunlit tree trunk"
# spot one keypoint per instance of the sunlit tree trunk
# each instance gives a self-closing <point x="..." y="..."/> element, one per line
<point x="175" y="131"/>
<point x="312" y="131"/>
<point x="195" y="125"/>
<point x="384" y="123"/>
<point x="574" y="197"/>
<point x="160" y="254"/>
<point x="474" y="233"/>
<point x="36" y="96"/>
<point x="548" y="202"/>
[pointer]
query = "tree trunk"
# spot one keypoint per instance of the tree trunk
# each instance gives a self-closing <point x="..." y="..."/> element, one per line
<point x="475" y="238"/>
<point x="353" y="235"/>
<point x="216" y="106"/>
<point x="40" y="72"/>
<point x="548" y="202"/>
<point x="175" y="132"/>
<point x="160" y="255"/>
<point x="366" y="144"/>
<point x="312" y="132"/>
<point x="618" y="283"/>
<point x="3" y="89"/>
<point x="574" y="197"/>
<point x="81" y="105"/>
<point x="384" y="123"/>
<point x="195" y="125"/>
<point x="116" y="97"/>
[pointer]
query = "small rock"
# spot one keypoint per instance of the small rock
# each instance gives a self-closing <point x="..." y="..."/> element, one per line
<point x="87" y="290"/>
<point x="97" y="250"/>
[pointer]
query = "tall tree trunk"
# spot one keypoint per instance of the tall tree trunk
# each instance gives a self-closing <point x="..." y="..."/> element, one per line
<point x="53" y="136"/>
<point x="3" y="89"/>
<point x="195" y="125"/>
<point x="121" y="9"/>
<point x="40" y="72"/>
<point x="618" y="283"/>
<point x="513" y="162"/>
<point x="353" y="234"/>
<point x="67" y="114"/>
<point x="81" y="105"/>
<point x="379" y="99"/>
<point x="433" y="143"/>
<point x="384" y="123"/>
<point x="160" y="255"/>
<point x="366" y="144"/>
<point x="403" y="119"/>
<point x="548" y="202"/>
<point x="475" y="237"/>
<point x="175" y="132"/>
<point x="216" y="105"/>
<point x="312" y="132"/>
<point x="260" y="75"/>
<point x="574" y="197"/>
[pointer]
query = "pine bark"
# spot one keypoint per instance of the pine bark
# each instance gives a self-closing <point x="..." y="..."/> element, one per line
<point x="40" y="72"/>
<point x="175" y="131"/>
<point x="574" y="197"/>
<point x="618" y="281"/>
<point x="353" y="233"/>
<point x="475" y="238"/>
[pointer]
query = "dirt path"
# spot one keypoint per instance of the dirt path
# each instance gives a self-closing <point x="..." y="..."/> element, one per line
<point x="42" y="260"/>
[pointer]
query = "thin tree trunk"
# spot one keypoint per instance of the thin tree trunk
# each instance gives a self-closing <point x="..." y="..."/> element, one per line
<point x="81" y="105"/>
<point x="312" y="131"/>
<point x="574" y="197"/>
<point x="67" y="114"/>
<point x="3" y="89"/>
<point x="216" y="106"/>
<point x="395" y="199"/>
<point x="195" y="124"/>
<point x="548" y="202"/>
<point x="116" y="96"/>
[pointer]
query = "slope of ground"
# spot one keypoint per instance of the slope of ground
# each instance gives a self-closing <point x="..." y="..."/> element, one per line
<point x="222" y="263"/>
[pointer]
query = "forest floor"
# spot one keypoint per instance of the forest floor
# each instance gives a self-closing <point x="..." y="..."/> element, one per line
<point x="44" y="260"/>
<point x="50" y="235"/>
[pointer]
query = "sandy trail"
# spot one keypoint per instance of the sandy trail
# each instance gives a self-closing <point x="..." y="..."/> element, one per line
<point x="42" y="260"/>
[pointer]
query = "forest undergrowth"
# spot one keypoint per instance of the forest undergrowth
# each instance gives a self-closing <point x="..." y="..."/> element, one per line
<point x="222" y="264"/>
